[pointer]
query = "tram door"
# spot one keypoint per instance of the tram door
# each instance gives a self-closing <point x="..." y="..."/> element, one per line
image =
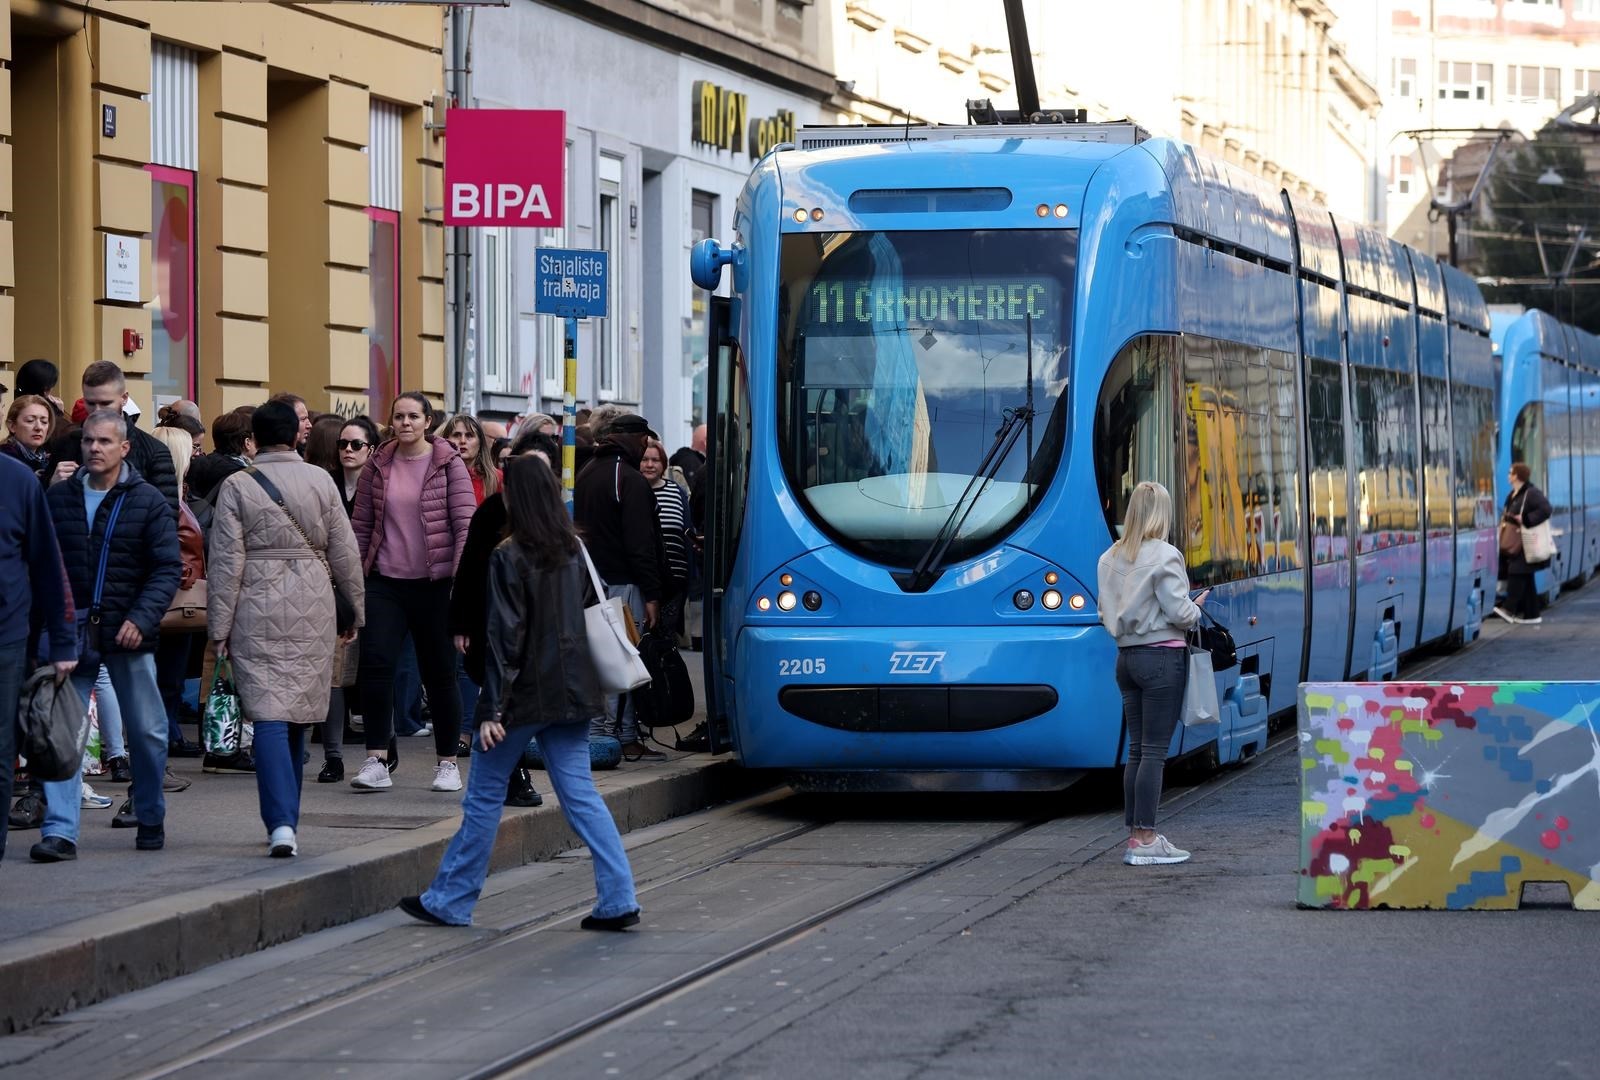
<point x="727" y="470"/>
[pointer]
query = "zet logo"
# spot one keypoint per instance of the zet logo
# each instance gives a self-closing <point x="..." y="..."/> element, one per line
<point x="914" y="663"/>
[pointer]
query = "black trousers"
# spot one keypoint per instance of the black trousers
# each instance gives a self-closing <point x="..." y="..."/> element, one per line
<point x="1522" y="597"/>
<point x="422" y="607"/>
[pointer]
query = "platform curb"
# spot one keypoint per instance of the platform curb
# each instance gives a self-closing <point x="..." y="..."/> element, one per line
<point x="92" y="959"/>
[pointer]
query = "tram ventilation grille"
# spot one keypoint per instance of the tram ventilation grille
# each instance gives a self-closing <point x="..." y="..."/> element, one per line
<point x="824" y="136"/>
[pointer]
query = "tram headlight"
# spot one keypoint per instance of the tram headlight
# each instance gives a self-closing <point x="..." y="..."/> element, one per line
<point x="812" y="600"/>
<point x="800" y="216"/>
<point x="1051" y="577"/>
<point x="1023" y="599"/>
<point x="786" y="600"/>
<point x="1051" y="599"/>
<point x="816" y="214"/>
<point x="1076" y="601"/>
<point x="763" y="604"/>
<point x="1061" y="209"/>
<point x="1043" y="210"/>
<point x="786" y="580"/>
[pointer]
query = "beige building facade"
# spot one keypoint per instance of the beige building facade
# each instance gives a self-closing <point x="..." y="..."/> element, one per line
<point x="1266" y="84"/>
<point x="228" y="200"/>
<point x="1474" y="64"/>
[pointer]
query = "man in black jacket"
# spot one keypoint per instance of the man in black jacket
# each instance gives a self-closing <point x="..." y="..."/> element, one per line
<point x="119" y="543"/>
<point x="615" y="510"/>
<point x="104" y="387"/>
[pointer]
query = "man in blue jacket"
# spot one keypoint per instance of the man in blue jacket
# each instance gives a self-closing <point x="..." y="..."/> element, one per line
<point x="35" y="595"/>
<point x="119" y="541"/>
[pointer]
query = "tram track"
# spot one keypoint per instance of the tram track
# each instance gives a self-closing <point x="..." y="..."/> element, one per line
<point x="1089" y="830"/>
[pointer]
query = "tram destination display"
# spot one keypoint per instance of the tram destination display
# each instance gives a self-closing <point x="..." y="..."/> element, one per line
<point x="867" y="304"/>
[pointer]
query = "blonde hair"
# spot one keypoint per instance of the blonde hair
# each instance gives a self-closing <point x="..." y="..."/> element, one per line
<point x="180" y="444"/>
<point x="1149" y="517"/>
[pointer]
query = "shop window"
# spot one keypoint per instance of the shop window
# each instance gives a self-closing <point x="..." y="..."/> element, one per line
<point x="383" y="335"/>
<point x="172" y="304"/>
<point x="702" y="224"/>
<point x="499" y="314"/>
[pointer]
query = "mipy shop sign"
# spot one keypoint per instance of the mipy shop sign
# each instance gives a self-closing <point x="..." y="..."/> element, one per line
<point x="504" y="167"/>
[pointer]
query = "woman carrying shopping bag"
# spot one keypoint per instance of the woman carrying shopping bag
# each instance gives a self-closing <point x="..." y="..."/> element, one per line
<point x="1144" y="603"/>
<point x="539" y="680"/>
<point x="280" y="545"/>
<point x="1526" y="510"/>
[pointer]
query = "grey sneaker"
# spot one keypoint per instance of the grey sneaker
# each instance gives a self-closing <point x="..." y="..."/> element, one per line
<point x="1158" y="852"/>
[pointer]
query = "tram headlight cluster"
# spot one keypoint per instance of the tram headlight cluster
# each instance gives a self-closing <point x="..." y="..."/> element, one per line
<point x="792" y="593"/>
<point x="1044" y="210"/>
<point x="1050" y="598"/>
<point x="801" y="214"/>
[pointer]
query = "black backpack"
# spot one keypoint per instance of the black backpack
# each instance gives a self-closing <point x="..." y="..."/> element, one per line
<point x="669" y="699"/>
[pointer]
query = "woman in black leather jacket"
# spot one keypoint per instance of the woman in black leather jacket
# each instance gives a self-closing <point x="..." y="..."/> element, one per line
<point x="539" y="680"/>
<point x="1526" y="507"/>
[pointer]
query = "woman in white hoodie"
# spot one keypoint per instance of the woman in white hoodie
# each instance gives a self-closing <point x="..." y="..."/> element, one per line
<point x="1144" y="603"/>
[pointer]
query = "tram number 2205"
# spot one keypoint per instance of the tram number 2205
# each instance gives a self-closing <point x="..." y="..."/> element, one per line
<point x="808" y="666"/>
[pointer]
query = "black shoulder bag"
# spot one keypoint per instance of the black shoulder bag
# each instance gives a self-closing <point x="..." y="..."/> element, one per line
<point x="1216" y="640"/>
<point x="344" y="612"/>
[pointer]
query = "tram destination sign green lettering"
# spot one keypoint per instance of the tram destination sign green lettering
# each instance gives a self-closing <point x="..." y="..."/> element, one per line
<point x="867" y="304"/>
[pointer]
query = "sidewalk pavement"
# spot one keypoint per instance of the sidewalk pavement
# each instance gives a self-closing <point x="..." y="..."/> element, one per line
<point x="118" y="919"/>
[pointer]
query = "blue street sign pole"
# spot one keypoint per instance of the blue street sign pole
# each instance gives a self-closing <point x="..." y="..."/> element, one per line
<point x="570" y="283"/>
<point x="569" y="424"/>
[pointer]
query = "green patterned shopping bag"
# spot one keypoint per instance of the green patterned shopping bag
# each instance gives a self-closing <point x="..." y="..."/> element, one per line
<point x="222" y="729"/>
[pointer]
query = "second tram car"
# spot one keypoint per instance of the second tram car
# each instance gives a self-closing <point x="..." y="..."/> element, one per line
<point x="948" y="355"/>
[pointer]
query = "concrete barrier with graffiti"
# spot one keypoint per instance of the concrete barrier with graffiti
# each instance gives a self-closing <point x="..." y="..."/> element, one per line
<point x="1448" y="795"/>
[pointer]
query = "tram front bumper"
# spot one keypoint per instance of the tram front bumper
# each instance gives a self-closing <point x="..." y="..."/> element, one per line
<point x="948" y="698"/>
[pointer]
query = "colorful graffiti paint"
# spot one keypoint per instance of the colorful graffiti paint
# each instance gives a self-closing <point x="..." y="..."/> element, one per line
<point x="1448" y="795"/>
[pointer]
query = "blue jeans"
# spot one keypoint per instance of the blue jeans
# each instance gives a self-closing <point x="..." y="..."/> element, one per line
<point x="13" y="672"/>
<point x="461" y="874"/>
<point x="279" y="750"/>
<point x="133" y="677"/>
<point x="172" y="668"/>
<point x="108" y="715"/>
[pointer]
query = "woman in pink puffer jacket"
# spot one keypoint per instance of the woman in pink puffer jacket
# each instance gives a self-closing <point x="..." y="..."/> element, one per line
<point x="413" y="504"/>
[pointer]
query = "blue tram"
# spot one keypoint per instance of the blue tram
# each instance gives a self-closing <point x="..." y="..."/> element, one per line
<point x="1550" y="419"/>
<point x="947" y="357"/>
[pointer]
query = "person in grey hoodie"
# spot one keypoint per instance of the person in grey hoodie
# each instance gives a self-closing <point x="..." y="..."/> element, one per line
<point x="1145" y="605"/>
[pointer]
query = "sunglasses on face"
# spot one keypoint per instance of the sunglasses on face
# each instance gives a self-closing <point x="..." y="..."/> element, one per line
<point x="357" y="445"/>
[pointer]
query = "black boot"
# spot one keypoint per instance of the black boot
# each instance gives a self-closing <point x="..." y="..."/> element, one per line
<point x="520" y="792"/>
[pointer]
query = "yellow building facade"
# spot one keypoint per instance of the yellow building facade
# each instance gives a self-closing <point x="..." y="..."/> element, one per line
<point x="227" y="199"/>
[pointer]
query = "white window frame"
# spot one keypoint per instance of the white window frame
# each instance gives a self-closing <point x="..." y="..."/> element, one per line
<point x="1585" y="9"/>
<point x="1402" y="174"/>
<point x="1548" y="89"/>
<point x="385" y="133"/>
<point x="1404" y="82"/>
<point x="551" y="354"/>
<point x="499" y="314"/>
<point x="611" y="379"/>
<point x="1479" y="86"/>
<point x="1581" y="76"/>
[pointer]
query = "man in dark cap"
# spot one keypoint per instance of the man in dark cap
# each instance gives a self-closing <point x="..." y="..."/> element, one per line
<point x="616" y="511"/>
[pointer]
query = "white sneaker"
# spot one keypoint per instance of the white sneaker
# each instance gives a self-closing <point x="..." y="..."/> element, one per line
<point x="446" y="777"/>
<point x="1157" y="852"/>
<point x="1535" y="621"/>
<point x="1506" y="615"/>
<point x="374" y="776"/>
<point x="281" y="844"/>
<point x="94" y="801"/>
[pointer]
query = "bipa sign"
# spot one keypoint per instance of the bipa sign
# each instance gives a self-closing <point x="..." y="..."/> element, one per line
<point x="504" y="167"/>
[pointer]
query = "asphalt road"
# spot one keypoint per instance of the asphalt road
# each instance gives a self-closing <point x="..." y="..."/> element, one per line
<point x="1032" y="952"/>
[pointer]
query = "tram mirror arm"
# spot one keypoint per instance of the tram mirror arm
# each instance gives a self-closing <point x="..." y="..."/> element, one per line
<point x="927" y="569"/>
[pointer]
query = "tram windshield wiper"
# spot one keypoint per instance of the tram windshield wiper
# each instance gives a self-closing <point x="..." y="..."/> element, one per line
<point x="926" y="572"/>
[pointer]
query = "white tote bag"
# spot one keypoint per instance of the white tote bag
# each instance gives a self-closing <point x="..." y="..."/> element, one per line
<point x="1538" y="543"/>
<point x="616" y="660"/>
<point x="1200" y="696"/>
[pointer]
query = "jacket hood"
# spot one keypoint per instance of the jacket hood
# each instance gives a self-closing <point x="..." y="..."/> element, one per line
<point x="443" y="450"/>
<point x="611" y="447"/>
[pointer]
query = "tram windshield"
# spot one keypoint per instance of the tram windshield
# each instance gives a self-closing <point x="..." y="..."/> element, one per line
<point x="900" y="355"/>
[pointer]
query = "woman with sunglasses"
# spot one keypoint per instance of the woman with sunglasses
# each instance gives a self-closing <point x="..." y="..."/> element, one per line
<point x="351" y="449"/>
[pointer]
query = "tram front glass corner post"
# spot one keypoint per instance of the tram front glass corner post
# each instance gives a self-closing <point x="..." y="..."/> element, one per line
<point x="569" y="441"/>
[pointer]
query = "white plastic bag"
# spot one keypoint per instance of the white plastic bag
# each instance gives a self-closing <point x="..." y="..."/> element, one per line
<point x="1200" y="696"/>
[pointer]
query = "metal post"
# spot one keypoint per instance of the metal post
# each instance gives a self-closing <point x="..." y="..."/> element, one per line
<point x="569" y="439"/>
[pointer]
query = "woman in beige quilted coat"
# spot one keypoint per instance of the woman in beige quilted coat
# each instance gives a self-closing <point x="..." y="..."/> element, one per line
<point x="271" y="608"/>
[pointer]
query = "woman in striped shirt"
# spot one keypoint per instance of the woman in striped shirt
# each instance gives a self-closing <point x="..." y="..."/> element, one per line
<point x="672" y="510"/>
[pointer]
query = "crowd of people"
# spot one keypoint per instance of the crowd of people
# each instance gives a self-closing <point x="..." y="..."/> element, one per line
<point x="414" y="575"/>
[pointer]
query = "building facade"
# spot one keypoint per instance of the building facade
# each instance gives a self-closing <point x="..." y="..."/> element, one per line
<point x="1456" y="66"/>
<point x="1266" y="84"/>
<point x="668" y="106"/>
<point x="228" y="200"/>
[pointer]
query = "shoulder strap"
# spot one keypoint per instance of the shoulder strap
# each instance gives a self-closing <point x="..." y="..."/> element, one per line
<point x="272" y="493"/>
<point x="105" y="550"/>
<point x="594" y="577"/>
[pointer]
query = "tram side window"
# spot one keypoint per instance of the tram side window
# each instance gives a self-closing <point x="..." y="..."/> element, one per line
<point x="1557" y="443"/>
<point x="1284" y="438"/>
<point x="1325" y="422"/>
<point x="1527" y="441"/>
<point x="1136" y="428"/>
<point x="1385" y="419"/>
<point x="1436" y="455"/>
<point x="732" y="448"/>
<point x="1474" y="456"/>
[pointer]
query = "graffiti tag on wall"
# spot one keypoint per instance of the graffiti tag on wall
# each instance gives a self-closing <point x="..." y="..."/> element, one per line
<point x="1448" y="795"/>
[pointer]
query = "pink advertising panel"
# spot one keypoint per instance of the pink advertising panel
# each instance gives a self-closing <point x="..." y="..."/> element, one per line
<point x="504" y="167"/>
